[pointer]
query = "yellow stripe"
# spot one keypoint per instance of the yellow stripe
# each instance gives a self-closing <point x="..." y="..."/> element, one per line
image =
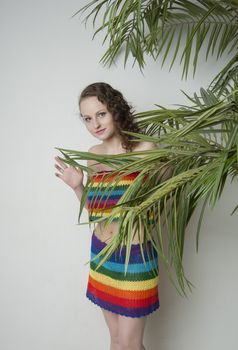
<point x="113" y="182"/>
<point x="98" y="212"/>
<point x="124" y="285"/>
<point x="102" y="213"/>
<point x="103" y="186"/>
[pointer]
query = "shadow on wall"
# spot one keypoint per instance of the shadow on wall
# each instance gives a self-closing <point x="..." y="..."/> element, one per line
<point x="162" y="322"/>
<point x="201" y="318"/>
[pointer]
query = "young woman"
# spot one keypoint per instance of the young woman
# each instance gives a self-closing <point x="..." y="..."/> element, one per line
<point x="125" y="300"/>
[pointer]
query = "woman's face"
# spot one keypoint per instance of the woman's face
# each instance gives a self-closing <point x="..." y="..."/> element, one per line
<point x="98" y="120"/>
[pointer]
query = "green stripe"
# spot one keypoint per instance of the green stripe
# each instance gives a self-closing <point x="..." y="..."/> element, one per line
<point x="120" y="276"/>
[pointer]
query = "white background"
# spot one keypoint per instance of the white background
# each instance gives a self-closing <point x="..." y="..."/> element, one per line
<point x="47" y="58"/>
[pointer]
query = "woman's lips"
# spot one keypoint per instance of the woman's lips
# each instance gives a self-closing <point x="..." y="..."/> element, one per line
<point x="100" y="131"/>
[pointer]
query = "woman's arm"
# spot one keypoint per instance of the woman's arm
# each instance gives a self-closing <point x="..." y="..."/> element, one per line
<point x="166" y="170"/>
<point x="80" y="189"/>
<point x="79" y="192"/>
<point x="73" y="177"/>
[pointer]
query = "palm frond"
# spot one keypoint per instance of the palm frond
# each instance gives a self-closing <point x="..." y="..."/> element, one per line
<point x="140" y="28"/>
<point x="199" y="144"/>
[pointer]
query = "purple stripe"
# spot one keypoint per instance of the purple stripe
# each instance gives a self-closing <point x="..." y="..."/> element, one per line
<point x="110" y="202"/>
<point x="114" y="195"/>
<point x="118" y="309"/>
<point x="135" y="254"/>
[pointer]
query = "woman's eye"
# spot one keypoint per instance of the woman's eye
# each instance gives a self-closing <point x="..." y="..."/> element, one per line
<point x="87" y="120"/>
<point x="102" y="114"/>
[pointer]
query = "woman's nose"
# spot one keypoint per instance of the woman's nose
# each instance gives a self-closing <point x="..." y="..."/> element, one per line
<point x="96" y="123"/>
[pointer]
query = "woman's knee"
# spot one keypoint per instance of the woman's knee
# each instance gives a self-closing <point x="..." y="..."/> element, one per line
<point x="129" y="343"/>
<point x="112" y="323"/>
<point x="131" y="333"/>
<point x="114" y="338"/>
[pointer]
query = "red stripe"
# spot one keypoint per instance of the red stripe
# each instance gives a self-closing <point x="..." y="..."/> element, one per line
<point x="97" y="178"/>
<point x="139" y="303"/>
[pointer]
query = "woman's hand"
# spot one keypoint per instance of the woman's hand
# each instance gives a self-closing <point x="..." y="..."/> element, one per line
<point x="71" y="176"/>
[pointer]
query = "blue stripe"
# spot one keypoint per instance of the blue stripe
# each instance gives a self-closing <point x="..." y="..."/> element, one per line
<point x="117" y="256"/>
<point x="100" y="193"/>
<point x="132" y="268"/>
<point x="135" y="256"/>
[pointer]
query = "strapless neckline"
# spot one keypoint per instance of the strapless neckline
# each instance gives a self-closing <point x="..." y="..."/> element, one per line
<point x="103" y="171"/>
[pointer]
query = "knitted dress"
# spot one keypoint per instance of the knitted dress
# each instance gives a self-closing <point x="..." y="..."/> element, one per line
<point x="134" y="293"/>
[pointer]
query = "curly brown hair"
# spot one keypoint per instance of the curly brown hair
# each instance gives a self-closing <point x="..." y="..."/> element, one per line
<point x="116" y="104"/>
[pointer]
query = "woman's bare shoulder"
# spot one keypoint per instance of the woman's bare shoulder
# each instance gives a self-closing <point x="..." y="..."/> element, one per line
<point x="92" y="164"/>
<point x="145" y="145"/>
<point x="95" y="149"/>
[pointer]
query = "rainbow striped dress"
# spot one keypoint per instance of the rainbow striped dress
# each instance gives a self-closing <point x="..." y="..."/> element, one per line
<point x="105" y="191"/>
<point x="134" y="293"/>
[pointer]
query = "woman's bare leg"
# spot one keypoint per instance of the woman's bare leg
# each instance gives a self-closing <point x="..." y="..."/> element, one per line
<point x="130" y="332"/>
<point x="112" y="323"/>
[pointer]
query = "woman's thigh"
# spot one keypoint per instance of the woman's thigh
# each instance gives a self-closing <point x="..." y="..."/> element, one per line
<point x="131" y="330"/>
<point x="112" y="322"/>
<point x="126" y="331"/>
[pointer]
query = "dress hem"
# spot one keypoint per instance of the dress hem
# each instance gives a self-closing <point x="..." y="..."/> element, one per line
<point x="120" y="313"/>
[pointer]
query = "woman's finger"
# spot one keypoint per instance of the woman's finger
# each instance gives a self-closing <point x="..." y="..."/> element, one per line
<point x="59" y="168"/>
<point x="61" y="162"/>
<point x="58" y="175"/>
